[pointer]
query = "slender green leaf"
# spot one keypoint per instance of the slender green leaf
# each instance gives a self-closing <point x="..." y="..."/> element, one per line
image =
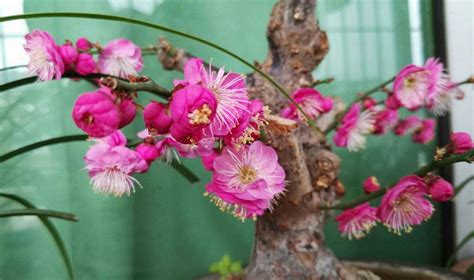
<point x="50" y="227"/>
<point x="39" y="213"/>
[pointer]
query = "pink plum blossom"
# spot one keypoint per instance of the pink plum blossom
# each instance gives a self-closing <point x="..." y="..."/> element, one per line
<point x="358" y="221"/>
<point x="247" y="180"/>
<point x="208" y="160"/>
<point x="116" y="138"/>
<point x="369" y="102"/>
<point x="85" y="64"/>
<point x="440" y="189"/>
<point x="411" y="86"/>
<point x="425" y="133"/>
<point x="128" y="109"/>
<point x="392" y="102"/>
<point x="121" y="58"/>
<point x="311" y="101"/>
<point x="384" y="120"/>
<point x="193" y="108"/>
<point x="405" y="205"/>
<point x="148" y="151"/>
<point x="371" y="184"/>
<point x="83" y="44"/>
<point x="408" y="125"/>
<point x="111" y="168"/>
<point x="250" y="122"/>
<point x="355" y="125"/>
<point x="461" y="142"/>
<point x="96" y="113"/>
<point x="45" y="58"/>
<point x="157" y="117"/>
<point x="68" y="54"/>
<point x="229" y="90"/>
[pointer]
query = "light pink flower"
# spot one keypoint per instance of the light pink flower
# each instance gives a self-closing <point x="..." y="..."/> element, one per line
<point x="311" y="101"/>
<point x="111" y="168"/>
<point x="355" y="125"/>
<point x="440" y="189"/>
<point x="45" y="59"/>
<point x="461" y="142"/>
<point x="246" y="181"/>
<point x="412" y="85"/>
<point x="68" y="54"/>
<point x="425" y="133"/>
<point x="358" y="221"/>
<point x="408" y="125"/>
<point x="371" y="184"/>
<point x="83" y="44"/>
<point x="157" y="117"/>
<point x="121" y="58"/>
<point x="229" y="90"/>
<point x="85" y="64"/>
<point x="96" y="113"/>
<point x="405" y="205"/>
<point x="192" y="108"/>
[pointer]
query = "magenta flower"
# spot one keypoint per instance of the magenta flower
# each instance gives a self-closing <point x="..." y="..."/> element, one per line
<point x="246" y="181"/>
<point x="355" y="125"/>
<point x="461" y="142"/>
<point x="148" y="151"/>
<point x="111" y="168"/>
<point x="425" y="133"/>
<point x="248" y="129"/>
<point x="358" y="221"/>
<point x="311" y="101"/>
<point x="96" y="113"/>
<point x="193" y="108"/>
<point x="157" y="117"/>
<point x="121" y="58"/>
<point x="384" y="120"/>
<point x="371" y="184"/>
<point x="208" y="160"/>
<point x="440" y="189"/>
<point x="411" y="86"/>
<point x="83" y="44"/>
<point x="229" y="90"/>
<point x="116" y="138"/>
<point x="405" y="205"/>
<point x="85" y="64"/>
<point x="68" y="54"/>
<point x="408" y="125"/>
<point x="392" y="102"/>
<point x="45" y="59"/>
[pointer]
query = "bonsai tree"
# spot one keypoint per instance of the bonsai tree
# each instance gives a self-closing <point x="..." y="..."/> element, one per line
<point x="267" y="137"/>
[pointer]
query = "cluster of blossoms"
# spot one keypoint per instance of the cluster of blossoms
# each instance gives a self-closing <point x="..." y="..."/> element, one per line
<point x="404" y="205"/>
<point x="208" y="115"/>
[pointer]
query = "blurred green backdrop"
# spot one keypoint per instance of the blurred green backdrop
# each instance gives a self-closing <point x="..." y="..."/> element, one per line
<point x="168" y="230"/>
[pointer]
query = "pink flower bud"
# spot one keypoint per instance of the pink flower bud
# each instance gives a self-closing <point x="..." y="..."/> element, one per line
<point x="157" y="117"/>
<point x="392" y="102"/>
<point x="83" y="44"/>
<point x="96" y="113"/>
<point x="85" y="64"/>
<point x="461" y="142"/>
<point x="148" y="152"/>
<point x="68" y="54"/>
<point x="369" y="102"/>
<point x="371" y="185"/>
<point x="128" y="110"/>
<point x="440" y="189"/>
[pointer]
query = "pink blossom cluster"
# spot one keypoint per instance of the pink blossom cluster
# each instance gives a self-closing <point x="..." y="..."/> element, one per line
<point x="49" y="60"/>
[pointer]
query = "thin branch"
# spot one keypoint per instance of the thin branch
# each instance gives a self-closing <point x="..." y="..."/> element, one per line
<point x="147" y="85"/>
<point x="466" y="157"/>
<point x="359" y="98"/>
<point x="323" y="81"/>
<point x="39" y="213"/>
<point x="461" y="186"/>
<point x="50" y="227"/>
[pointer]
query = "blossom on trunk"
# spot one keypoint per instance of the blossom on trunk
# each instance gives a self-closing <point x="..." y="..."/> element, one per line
<point x="247" y="180"/>
<point x="411" y="86"/>
<point x="405" y="205"/>
<point x="371" y="184"/>
<point x="358" y="221"/>
<point x="111" y="167"/>
<point x="45" y="58"/>
<point x="121" y="58"/>
<point x="228" y="88"/>
<point x="311" y="101"/>
<point x="355" y="125"/>
<point x="461" y="142"/>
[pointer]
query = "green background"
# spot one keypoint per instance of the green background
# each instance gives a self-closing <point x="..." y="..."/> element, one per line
<point x="168" y="230"/>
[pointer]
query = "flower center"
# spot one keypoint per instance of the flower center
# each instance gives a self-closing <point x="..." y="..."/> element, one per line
<point x="404" y="204"/>
<point x="88" y="119"/>
<point x="409" y="81"/>
<point x="201" y="115"/>
<point x="247" y="174"/>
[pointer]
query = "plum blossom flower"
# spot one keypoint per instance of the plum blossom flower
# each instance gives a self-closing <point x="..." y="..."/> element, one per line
<point x="111" y="168"/>
<point x="229" y="90"/>
<point x="157" y="117"/>
<point x="405" y="205"/>
<point x="250" y="122"/>
<point x="45" y="58"/>
<point x="311" y="101"/>
<point x="408" y="125"/>
<point x="193" y="108"/>
<point x="96" y="113"/>
<point x="385" y="119"/>
<point x="121" y="58"/>
<point x="425" y="132"/>
<point x="355" y="125"/>
<point x="68" y="54"/>
<point x="85" y="64"/>
<point x="371" y="184"/>
<point x="439" y="189"/>
<point x="358" y="221"/>
<point x="461" y="142"/>
<point x="411" y="86"/>
<point x="83" y="44"/>
<point x="247" y="180"/>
